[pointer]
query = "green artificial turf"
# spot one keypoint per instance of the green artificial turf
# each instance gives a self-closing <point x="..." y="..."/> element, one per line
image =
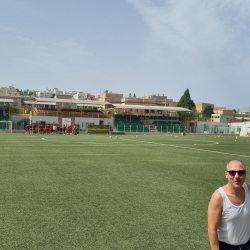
<point x="102" y="192"/>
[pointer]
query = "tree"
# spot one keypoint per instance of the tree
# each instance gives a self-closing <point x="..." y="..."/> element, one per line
<point x="5" y="108"/>
<point x="186" y="101"/>
<point x="134" y="95"/>
<point x="194" y="113"/>
<point x="66" y="105"/>
<point x="15" y="110"/>
<point x="129" y="94"/>
<point x="26" y="92"/>
<point x="208" y="111"/>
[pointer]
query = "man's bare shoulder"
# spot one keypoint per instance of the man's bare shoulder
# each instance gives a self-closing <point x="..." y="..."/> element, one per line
<point x="216" y="200"/>
<point x="216" y="196"/>
<point x="248" y="185"/>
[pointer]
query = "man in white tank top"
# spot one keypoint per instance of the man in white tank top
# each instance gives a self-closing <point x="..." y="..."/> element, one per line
<point x="229" y="211"/>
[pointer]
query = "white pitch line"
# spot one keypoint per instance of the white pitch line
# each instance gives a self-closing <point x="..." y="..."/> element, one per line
<point x="89" y="143"/>
<point x="199" y="140"/>
<point x="198" y="149"/>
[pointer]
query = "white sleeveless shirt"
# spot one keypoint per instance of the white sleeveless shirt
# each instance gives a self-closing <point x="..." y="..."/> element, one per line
<point x="234" y="227"/>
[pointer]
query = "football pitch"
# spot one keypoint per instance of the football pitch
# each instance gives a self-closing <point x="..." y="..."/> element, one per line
<point x="101" y="192"/>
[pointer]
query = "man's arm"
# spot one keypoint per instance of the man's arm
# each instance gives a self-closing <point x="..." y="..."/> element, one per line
<point x="215" y="208"/>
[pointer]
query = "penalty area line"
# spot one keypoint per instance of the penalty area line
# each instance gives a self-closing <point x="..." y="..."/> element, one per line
<point x="206" y="150"/>
<point x="198" y="149"/>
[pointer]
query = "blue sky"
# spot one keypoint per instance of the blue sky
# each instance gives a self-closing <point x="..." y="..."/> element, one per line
<point x="129" y="46"/>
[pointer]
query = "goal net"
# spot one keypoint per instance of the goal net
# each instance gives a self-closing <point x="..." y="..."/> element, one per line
<point x="5" y="126"/>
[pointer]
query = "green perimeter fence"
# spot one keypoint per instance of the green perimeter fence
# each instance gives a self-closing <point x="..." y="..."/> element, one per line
<point x="133" y="123"/>
<point x="177" y="128"/>
<point x="3" y="118"/>
<point x="5" y="125"/>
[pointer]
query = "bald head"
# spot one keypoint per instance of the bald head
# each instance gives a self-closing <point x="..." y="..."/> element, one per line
<point x="232" y="163"/>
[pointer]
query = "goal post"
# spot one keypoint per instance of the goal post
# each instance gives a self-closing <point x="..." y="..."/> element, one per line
<point x="98" y="129"/>
<point x="5" y="126"/>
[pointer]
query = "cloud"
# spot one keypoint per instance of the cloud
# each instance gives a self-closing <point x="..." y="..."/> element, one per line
<point x="194" y="24"/>
<point x="199" y="41"/>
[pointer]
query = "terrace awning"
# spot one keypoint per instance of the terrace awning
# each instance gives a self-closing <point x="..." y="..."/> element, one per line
<point x="29" y="102"/>
<point x="43" y="103"/>
<point x="46" y="103"/>
<point x="6" y="100"/>
<point x="87" y="104"/>
<point x="116" y="106"/>
<point x="90" y="102"/>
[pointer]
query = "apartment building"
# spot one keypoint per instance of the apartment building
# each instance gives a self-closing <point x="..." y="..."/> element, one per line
<point x="200" y="106"/>
<point x="9" y="91"/>
<point x="80" y="96"/>
<point x="48" y="93"/>
<point x="152" y="100"/>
